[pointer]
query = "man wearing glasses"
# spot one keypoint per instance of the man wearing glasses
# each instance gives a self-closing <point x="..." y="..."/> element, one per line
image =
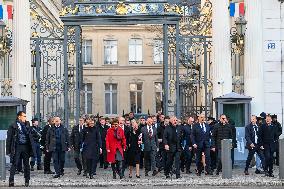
<point x="20" y="143"/>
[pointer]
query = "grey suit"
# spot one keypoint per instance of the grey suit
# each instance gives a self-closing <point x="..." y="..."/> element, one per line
<point x="150" y="142"/>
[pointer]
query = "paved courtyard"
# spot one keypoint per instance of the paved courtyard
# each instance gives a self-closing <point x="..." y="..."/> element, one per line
<point x="104" y="179"/>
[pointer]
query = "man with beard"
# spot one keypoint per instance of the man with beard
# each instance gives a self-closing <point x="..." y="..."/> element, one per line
<point x="173" y="137"/>
<point x="20" y="143"/>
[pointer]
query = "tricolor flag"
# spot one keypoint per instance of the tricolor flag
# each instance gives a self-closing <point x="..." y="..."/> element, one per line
<point x="237" y="9"/>
<point x="6" y="12"/>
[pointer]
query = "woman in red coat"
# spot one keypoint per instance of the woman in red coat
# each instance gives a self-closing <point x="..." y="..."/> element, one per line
<point x="115" y="145"/>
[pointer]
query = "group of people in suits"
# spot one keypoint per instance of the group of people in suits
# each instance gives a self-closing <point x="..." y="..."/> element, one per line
<point x="262" y="139"/>
<point x="157" y="143"/>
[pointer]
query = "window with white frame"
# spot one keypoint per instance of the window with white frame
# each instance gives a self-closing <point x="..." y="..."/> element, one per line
<point x="158" y="96"/>
<point x="87" y="100"/>
<point x="158" y="51"/>
<point x="110" y="52"/>
<point x="135" y="51"/>
<point x="136" y="97"/>
<point x="87" y="51"/>
<point x="110" y="98"/>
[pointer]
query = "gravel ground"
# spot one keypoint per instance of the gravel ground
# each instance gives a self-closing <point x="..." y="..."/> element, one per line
<point x="104" y="179"/>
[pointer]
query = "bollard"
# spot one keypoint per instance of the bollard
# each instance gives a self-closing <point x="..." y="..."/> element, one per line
<point x="281" y="158"/>
<point x="2" y="160"/>
<point x="226" y="145"/>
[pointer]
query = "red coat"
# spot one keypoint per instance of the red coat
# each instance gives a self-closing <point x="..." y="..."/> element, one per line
<point x="112" y="143"/>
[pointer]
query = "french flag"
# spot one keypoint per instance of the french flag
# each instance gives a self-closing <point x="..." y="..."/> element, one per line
<point x="6" y="12"/>
<point x="237" y="9"/>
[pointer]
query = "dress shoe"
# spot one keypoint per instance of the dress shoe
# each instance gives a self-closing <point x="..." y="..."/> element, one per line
<point x="48" y="172"/>
<point x="84" y="174"/>
<point x="188" y="172"/>
<point x="198" y="173"/>
<point x="39" y="167"/>
<point x="137" y="176"/>
<point x="217" y="173"/>
<point x="155" y="173"/>
<point x="246" y="172"/>
<point x="271" y="175"/>
<point x="168" y="176"/>
<point x="79" y="172"/>
<point x="32" y="168"/>
<point x="178" y="176"/>
<point x="257" y="171"/>
<point x="114" y="175"/>
<point x="182" y="169"/>
<point x="208" y="173"/>
<point x="121" y="176"/>
<point x="91" y="176"/>
<point x="56" y="176"/>
<point x="11" y="184"/>
<point x="146" y="174"/>
<point x="130" y="176"/>
<point x="27" y="183"/>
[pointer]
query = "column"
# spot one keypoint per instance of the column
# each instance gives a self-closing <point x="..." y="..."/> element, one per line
<point x="21" y="71"/>
<point x="253" y="65"/>
<point x="222" y="71"/>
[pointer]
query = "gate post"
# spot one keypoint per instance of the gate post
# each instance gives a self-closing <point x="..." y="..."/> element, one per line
<point x="177" y="72"/>
<point x="226" y="145"/>
<point x="165" y="70"/>
<point x="2" y="160"/>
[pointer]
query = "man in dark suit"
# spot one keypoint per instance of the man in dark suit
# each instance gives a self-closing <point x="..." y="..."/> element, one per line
<point x="57" y="142"/>
<point x="36" y="133"/>
<point x="266" y="140"/>
<point x="187" y="128"/>
<point x="126" y="130"/>
<point x="173" y="138"/>
<point x="251" y="135"/>
<point x="103" y="132"/>
<point x="222" y="130"/>
<point x="76" y="144"/>
<point x="279" y="131"/>
<point x="47" y="155"/>
<point x="150" y="141"/>
<point x="160" y="134"/>
<point x="200" y="137"/>
<point x="20" y="143"/>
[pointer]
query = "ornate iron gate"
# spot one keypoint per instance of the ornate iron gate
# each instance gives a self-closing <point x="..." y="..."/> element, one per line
<point x="49" y="74"/>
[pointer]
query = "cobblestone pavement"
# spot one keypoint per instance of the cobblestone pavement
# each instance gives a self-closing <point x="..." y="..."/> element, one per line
<point x="104" y="179"/>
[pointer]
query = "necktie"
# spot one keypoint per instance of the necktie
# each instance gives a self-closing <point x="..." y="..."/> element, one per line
<point x="204" y="128"/>
<point x="255" y="133"/>
<point x="150" y="132"/>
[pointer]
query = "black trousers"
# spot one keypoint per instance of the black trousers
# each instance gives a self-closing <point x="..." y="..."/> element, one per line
<point x="80" y="161"/>
<point x="213" y="157"/>
<point x="162" y="157"/>
<point x="150" y="160"/>
<point x="103" y="156"/>
<point x="117" y="168"/>
<point x="171" y="158"/>
<point x="58" y="161"/>
<point x="268" y="155"/>
<point x="21" y="151"/>
<point x="47" y="160"/>
<point x="92" y="166"/>
<point x="199" y="164"/>
<point x="251" y="153"/>
<point x="188" y="158"/>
